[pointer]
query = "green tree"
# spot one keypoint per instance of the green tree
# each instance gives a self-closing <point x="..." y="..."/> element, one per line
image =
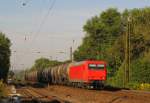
<point x="105" y="40"/>
<point x="101" y="33"/>
<point x="43" y="63"/>
<point x="4" y="56"/>
<point x="141" y="69"/>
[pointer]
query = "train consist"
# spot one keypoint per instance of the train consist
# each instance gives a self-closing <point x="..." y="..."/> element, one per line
<point x="85" y="74"/>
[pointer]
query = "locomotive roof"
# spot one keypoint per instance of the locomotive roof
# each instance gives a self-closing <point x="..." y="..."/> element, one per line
<point x="88" y="61"/>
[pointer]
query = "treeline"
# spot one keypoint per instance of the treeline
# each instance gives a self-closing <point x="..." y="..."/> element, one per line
<point x="44" y="63"/>
<point x="105" y="40"/>
<point x="4" y="56"/>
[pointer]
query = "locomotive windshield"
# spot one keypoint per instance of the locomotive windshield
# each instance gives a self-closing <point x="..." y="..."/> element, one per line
<point x="96" y="66"/>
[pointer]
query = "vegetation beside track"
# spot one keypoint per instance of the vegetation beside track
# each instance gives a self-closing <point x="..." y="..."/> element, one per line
<point x="105" y="40"/>
<point x="4" y="62"/>
<point x="44" y="63"/>
<point x="3" y="90"/>
<point x="4" y="56"/>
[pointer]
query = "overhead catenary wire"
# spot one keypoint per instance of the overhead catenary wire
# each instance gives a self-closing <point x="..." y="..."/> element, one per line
<point x="44" y="19"/>
<point x="35" y="34"/>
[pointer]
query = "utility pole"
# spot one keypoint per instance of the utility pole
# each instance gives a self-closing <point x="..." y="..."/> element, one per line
<point x="71" y="51"/>
<point x="71" y="54"/>
<point x="127" y="53"/>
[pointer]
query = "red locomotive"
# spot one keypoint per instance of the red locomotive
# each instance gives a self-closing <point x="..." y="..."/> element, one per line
<point x="89" y="73"/>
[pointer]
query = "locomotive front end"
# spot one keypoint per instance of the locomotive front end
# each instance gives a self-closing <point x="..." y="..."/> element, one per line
<point x="97" y="73"/>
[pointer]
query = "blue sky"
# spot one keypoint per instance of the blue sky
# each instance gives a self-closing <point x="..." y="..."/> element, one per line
<point x="63" y="24"/>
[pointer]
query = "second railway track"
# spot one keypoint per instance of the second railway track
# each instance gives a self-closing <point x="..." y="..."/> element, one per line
<point x="40" y="96"/>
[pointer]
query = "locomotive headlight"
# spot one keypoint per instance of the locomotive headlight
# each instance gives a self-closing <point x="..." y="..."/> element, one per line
<point x="103" y="77"/>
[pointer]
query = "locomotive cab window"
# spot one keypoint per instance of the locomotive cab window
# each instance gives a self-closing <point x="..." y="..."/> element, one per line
<point x="96" y="66"/>
<point x="100" y="66"/>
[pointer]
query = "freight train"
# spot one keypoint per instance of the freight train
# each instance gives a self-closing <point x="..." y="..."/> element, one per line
<point x="85" y="74"/>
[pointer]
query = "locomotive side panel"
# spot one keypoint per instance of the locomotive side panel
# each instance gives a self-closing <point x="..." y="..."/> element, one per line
<point x="77" y="73"/>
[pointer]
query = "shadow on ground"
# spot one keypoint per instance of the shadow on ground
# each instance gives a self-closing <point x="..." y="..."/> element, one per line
<point x="111" y="88"/>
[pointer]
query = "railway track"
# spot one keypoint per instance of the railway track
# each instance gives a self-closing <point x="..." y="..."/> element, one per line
<point x="64" y="94"/>
<point x="32" y="94"/>
<point x="78" y="95"/>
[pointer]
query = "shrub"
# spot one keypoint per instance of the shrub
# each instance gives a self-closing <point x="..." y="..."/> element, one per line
<point x="139" y="86"/>
<point x="134" y="85"/>
<point x="2" y="89"/>
<point x="144" y="86"/>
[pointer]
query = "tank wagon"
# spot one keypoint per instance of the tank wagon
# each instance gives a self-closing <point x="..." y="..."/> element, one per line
<point x="87" y="74"/>
<point x="31" y="77"/>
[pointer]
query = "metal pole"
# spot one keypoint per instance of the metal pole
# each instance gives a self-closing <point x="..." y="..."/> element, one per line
<point x="130" y="29"/>
<point x="71" y="57"/>
<point x="127" y="54"/>
<point x="73" y="50"/>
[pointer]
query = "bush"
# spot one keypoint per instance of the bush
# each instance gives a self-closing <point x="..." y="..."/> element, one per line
<point x="139" y="86"/>
<point x="4" y="56"/>
<point x="134" y="85"/>
<point x="144" y="86"/>
<point x="140" y="69"/>
<point x="117" y="79"/>
<point x="2" y="89"/>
